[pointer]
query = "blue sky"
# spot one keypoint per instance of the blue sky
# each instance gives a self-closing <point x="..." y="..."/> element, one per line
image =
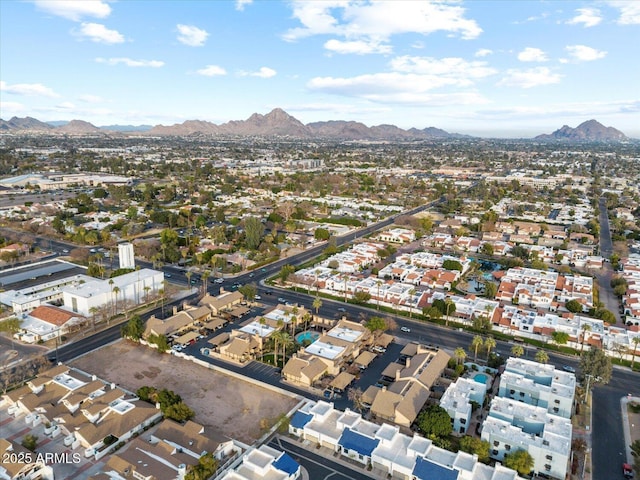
<point x="495" y="68"/>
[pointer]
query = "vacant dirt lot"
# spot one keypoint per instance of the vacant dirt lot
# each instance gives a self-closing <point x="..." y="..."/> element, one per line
<point x="235" y="408"/>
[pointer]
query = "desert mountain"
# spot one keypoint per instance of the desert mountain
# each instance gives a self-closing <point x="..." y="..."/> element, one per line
<point x="78" y="127"/>
<point x="589" y="131"/>
<point x="27" y="123"/>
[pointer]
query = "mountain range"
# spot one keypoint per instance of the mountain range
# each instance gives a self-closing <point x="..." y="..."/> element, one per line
<point x="279" y="123"/>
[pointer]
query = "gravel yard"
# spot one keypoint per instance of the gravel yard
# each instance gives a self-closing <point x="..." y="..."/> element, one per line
<point x="236" y="408"/>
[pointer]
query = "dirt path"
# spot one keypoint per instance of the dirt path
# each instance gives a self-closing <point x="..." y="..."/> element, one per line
<point x="237" y="409"/>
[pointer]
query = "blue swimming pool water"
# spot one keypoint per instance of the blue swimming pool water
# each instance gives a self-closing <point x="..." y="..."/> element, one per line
<point x="480" y="378"/>
<point x="307" y="335"/>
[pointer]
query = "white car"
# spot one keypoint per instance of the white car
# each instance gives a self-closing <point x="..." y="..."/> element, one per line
<point x="405" y="329"/>
<point x="177" y="348"/>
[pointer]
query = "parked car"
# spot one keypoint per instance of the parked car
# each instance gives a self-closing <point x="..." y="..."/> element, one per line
<point x="281" y="300"/>
<point x="627" y="470"/>
<point x="177" y="348"/>
<point x="405" y="329"/>
<point x="257" y="297"/>
<point x="342" y="310"/>
<point x="569" y="368"/>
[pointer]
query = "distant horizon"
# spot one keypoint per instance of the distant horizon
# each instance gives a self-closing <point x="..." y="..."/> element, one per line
<point x="479" y="133"/>
<point x="482" y="67"/>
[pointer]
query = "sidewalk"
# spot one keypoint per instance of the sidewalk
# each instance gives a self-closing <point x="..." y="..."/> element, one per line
<point x="582" y="425"/>
<point x="630" y="424"/>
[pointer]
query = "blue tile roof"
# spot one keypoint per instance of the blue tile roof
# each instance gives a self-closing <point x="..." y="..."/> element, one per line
<point x="427" y="470"/>
<point x="299" y="419"/>
<point x="286" y="464"/>
<point x="358" y="443"/>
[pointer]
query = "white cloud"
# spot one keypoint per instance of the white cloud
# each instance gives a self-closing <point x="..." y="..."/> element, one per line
<point x="65" y="106"/>
<point x="264" y="72"/>
<point x="191" y="35"/>
<point x="629" y="11"/>
<point x="212" y="71"/>
<point x="240" y="4"/>
<point x="531" y="54"/>
<point x="359" y="47"/>
<point x="98" y="33"/>
<point x="374" y="23"/>
<point x="453" y="68"/>
<point x="582" y="53"/>
<point x="11" y="109"/>
<point x="483" y="52"/>
<point x="130" y="62"/>
<point x="87" y="98"/>
<point x="588" y="17"/>
<point x="28" y="89"/>
<point x="534" y="77"/>
<point x="74" y="9"/>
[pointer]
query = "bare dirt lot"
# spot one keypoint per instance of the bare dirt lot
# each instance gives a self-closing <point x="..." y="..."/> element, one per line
<point x="235" y="408"/>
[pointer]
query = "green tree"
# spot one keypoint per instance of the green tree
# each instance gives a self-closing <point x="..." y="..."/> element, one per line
<point x="585" y="328"/>
<point x="476" y="446"/>
<point x="432" y="313"/>
<point x="476" y="344"/>
<point x="249" y="290"/>
<point x="489" y="344"/>
<point x="361" y="297"/>
<point x="460" y="355"/>
<point x="317" y="304"/>
<point x="30" y="441"/>
<point x="542" y="356"/>
<point x="434" y="420"/>
<point x="521" y="461"/>
<point x="597" y="365"/>
<point x="285" y="271"/>
<point x="573" y="306"/>
<point x="486" y="248"/>
<point x="490" y="290"/>
<point x="134" y="328"/>
<point x="321" y="234"/>
<point x="253" y="231"/>
<point x="560" y="338"/>
<point x="452" y="265"/>
<point x="376" y="324"/>
<point x="636" y="342"/>
<point x="517" y="351"/>
<point x="204" y="469"/>
<point x="11" y="326"/>
<point x="179" y="412"/>
<point x="635" y="453"/>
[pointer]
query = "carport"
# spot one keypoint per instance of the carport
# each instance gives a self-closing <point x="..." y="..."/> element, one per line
<point x="342" y="381"/>
<point x="238" y="312"/>
<point x="364" y="359"/>
<point x="186" y="338"/>
<point x="214" y="324"/>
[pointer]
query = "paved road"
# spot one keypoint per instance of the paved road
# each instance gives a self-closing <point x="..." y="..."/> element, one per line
<point x="606" y="244"/>
<point x="319" y="468"/>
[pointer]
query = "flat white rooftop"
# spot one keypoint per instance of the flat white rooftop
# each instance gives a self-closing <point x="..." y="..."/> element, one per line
<point x="325" y="350"/>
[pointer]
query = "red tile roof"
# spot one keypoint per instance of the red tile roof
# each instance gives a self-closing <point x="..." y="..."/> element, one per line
<point x="53" y="315"/>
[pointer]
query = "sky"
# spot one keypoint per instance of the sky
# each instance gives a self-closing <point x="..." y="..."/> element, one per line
<point x="501" y="68"/>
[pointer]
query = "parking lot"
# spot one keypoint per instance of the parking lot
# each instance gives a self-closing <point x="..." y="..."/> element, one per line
<point x="66" y="462"/>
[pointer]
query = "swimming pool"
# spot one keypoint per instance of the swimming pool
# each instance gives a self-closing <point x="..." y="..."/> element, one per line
<point x="307" y="335"/>
<point x="480" y="378"/>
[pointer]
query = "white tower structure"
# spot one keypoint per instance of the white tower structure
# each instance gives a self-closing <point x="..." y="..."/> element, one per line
<point x="125" y="253"/>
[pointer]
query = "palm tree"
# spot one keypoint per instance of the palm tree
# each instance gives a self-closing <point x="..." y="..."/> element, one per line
<point x="188" y="275"/>
<point x="378" y="283"/>
<point x="489" y="344"/>
<point x="205" y="277"/>
<point x="636" y="341"/>
<point x="448" y="302"/>
<point x="287" y="341"/>
<point x="412" y="292"/>
<point x="116" y="290"/>
<point x="306" y="318"/>
<point x="317" y="303"/>
<point x="517" y="351"/>
<point x="111" y="282"/>
<point x="277" y="337"/>
<point x="459" y="354"/>
<point x="542" y="356"/>
<point x="585" y="328"/>
<point x="476" y="343"/>
<point x="146" y="289"/>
